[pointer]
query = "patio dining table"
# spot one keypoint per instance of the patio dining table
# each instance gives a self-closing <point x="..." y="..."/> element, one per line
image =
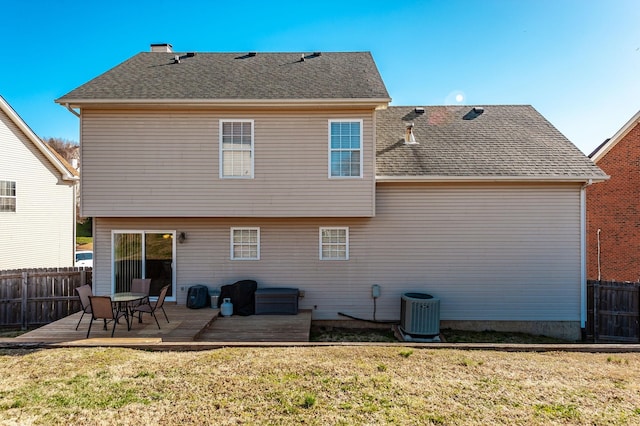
<point x="122" y="302"/>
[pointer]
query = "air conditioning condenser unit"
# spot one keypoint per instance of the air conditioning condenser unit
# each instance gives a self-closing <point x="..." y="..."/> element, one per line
<point x="420" y="314"/>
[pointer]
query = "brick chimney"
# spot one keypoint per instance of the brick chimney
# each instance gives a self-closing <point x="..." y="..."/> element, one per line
<point x="161" y="47"/>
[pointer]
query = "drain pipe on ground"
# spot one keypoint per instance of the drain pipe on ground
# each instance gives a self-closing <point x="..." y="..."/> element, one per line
<point x="368" y="320"/>
<point x="375" y="293"/>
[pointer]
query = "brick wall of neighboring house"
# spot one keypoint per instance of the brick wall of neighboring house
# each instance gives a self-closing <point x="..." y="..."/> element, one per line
<point x="613" y="207"/>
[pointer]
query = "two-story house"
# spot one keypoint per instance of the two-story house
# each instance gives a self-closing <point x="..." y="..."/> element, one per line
<point x="37" y="199"/>
<point x="292" y="170"/>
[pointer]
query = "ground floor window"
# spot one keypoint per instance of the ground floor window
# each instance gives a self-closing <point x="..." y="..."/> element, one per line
<point x="245" y="243"/>
<point x="334" y="243"/>
<point x="143" y="254"/>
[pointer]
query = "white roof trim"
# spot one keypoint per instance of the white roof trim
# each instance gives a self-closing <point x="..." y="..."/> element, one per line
<point x="44" y="149"/>
<point x="374" y="102"/>
<point x="605" y="148"/>
<point x="459" y="179"/>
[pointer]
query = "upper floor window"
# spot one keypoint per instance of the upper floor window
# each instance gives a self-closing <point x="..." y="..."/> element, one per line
<point x="7" y="196"/>
<point x="245" y="243"/>
<point x="236" y="148"/>
<point x="334" y="243"/>
<point x="345" y="148"/>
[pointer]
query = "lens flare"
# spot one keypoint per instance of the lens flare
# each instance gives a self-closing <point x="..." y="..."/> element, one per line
<point x="455" y="97"/>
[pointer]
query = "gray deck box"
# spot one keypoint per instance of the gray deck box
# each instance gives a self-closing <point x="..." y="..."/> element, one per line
<point x="277" y="301"/>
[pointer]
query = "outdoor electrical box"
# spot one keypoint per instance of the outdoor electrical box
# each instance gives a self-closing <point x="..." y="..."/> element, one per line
<point x="375" y="291"/>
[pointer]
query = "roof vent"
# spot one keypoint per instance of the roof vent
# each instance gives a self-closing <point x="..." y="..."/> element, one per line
<point x="473" y="113"/>
<point x="176" y="59"/>
<point x="191" y="54"/>
<point x="317" y="53"/>
<point x="302" y="58"/>
<point x="252" y="54"/>
<point x="409" y="138"/>
<point x="419" y="110"/>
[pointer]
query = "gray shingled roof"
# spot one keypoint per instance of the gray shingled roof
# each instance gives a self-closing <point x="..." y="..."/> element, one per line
<point x="236" y="76"/>
<point x="453" y="141"/>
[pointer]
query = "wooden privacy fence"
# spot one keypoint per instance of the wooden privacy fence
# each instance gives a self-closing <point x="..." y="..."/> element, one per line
<point x="613" y="311"/>
<point x="34" y="297"/>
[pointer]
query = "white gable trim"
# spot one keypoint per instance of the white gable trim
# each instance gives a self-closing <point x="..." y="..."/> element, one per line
<point x="605" y="148"/>
<point x="6" y="108"/>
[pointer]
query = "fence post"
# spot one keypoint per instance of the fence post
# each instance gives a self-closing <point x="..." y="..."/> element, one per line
<point x="23" y="304"/>
<point x="596" y="311"/>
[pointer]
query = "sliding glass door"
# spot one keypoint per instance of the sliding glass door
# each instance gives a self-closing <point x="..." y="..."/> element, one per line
<point x="144" y="254"/>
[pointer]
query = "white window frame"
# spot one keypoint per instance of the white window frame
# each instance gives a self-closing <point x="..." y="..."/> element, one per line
<point x="222" y="150"/>
<point x="232" y="243"/>
<point x="322" y="244"/>
<point x="331" y="150"/>
<point x="14" y="197"/>
<point x="143" y="233"/>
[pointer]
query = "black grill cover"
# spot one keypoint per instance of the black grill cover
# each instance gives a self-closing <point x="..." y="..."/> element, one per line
<point x="198" y="297"/>
<point x="242" y="295"/>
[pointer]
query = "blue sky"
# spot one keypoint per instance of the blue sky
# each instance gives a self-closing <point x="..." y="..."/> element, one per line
<point x="575" y="61"/>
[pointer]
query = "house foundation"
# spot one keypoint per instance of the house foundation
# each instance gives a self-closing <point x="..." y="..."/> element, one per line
<point x="567" y="330"/>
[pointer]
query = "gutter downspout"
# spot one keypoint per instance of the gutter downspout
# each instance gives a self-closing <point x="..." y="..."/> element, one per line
<point x="583" y="254"/>
<point x="73" y="111"/>
<point x="75" y="197"/>
<point x="75" y="223"/>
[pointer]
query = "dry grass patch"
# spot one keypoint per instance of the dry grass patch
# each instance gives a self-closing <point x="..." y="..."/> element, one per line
<point x="345" y="334"/>
<point x="324" y="385"/>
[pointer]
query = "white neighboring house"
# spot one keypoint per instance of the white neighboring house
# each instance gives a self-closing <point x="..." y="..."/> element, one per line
<point x="37" y="199"/>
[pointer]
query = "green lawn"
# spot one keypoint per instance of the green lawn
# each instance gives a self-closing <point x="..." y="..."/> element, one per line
<point x="80" y="241"/>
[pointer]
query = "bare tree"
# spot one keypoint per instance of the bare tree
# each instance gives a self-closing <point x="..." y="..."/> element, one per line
<point x="69" y="150"/>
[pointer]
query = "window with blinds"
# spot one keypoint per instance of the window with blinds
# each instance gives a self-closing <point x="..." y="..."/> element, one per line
<point x="144" y="254"/>
<point x="345" y="148"/>
<point x="245" y="243"/>
<point x="334" y="243"/>
<point x="236" y="149"/>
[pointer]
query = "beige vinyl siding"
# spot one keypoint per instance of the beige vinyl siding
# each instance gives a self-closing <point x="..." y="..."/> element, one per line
<point x="489" y="252"/>
<point x="40" y="233"/>
<point x="166" y="163"/>
<point x="500" y="252"/>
